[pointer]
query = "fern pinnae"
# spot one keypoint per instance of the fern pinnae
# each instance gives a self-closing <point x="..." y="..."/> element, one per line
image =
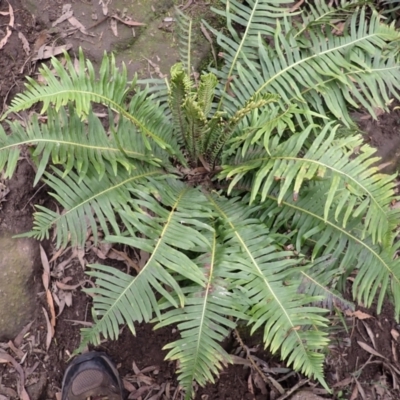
<point x="262" y="272"/>
<point x="203" y="323"/>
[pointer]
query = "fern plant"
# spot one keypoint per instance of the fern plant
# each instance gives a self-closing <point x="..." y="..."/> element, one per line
<point x="253" y="198"/>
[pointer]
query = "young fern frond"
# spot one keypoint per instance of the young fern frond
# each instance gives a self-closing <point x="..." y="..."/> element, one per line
<point x="218" y="137"/>
<point x="290" y="325"/>
<point x="364" y="191"/>
<point x="122" y="298"/>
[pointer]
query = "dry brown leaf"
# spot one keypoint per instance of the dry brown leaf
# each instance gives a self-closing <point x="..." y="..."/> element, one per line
<point x="76" y="24"/>
<point x="50" y="302"/>
<point x="68" y="14"/>
<point x="370" y="350"/>
<point x="394" y="351"/>
<point x="50" y="51"/>
<point x="296" y="6"/>
<point x="104" y="5"/>
<point x="6" y="358"/>
<point x="361" y="390"/>
<point x="5" y="13"/>
<point x="18" y="352"/>
<point x="345" y="382"/>
<point x="76" y="322"/>
<point x="208" y="37"/>
<point x="20" y="337"/>
<point x="370" y="334"/>
<point x="339" y="28"/>
<point x="46" y="268"/>
<point x="79" y="253"/>
<point x="50" y="330"/>
<point x="395" y="334"/>
<point x="250" y="387"/>
<point x="359" y="314"/>
<point x="127" y="21"/>
<point x="25" y="43"/>
<point x="68" y="298"/>
<point x="114" y="27"/>
<point x="128" y="386"/>
<point x="63" y="286"/>
<point x="260" y="384"/>
<point x="125" y="258"/>
<point x="3" y="41"/>
<point x="354" y="393"/>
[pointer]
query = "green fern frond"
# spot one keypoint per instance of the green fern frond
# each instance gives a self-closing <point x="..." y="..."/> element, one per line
<point x="87" y="202"/>
<point x="206" y="92"/>
<point x="290" y="325"/>
<point x="363" y="189"/>
<point x="217" y="138"/>
<point x="325" y="73"/>
<point x="320" y="279"/>
<point x="204" y="322"/>
<point x="68" y="141"/>
<point x="179" y="90"/>
<point x="376" y="265"/>
<point x="82" y="87"/>
<point x="184" y="32"/>
<point x="164" y="226"/>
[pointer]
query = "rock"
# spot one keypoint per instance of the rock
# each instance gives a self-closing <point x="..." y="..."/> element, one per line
<point x="307" y="395"/>
<point x="37" y="389"/>
<point x="19" y="259"/>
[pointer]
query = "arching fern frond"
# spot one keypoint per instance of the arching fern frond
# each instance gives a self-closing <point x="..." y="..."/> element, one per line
<point x="324" y="72"/>
<point x="68" y="141"/>
<point x="87" y="202"/>
<point x="364" y="191"/>
<point x="290" y="325"/>
<point x="166" y="231"/>
<point x="82" y="87"/>
<point x="376" y="265"/>
<point x="206" y="320"/>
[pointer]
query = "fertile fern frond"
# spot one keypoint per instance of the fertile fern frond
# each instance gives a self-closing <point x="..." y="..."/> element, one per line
<point x="363" y="190"/>
<point x="204" y="322"/>
<point x="376" y="265"/>
<point x="323" y="72"/>
<point x="82" y="87"/>
<point x="184" y="33"/>
<point x="87" y="202"/>
<point x="290" y="325"/>
<point x="165" y="226"/>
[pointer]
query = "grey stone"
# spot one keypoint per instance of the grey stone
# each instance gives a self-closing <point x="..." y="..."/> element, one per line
<point x="18" y="262"/>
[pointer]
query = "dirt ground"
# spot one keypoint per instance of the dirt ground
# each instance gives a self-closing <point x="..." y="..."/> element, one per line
<point x="363" y="358"/>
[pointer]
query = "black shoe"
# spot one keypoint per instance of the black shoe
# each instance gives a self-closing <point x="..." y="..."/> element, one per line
<point x="91" y="375"/>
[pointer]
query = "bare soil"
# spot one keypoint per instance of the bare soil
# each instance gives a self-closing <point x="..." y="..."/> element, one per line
<point x="363" y="358"/>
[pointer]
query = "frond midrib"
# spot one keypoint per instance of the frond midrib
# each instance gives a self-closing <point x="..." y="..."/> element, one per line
<point x="70" y="143"/>
<point x="303" y="60"/>
<point x="109" y="189"/>
<point x="144" y="268"/>
<point x="335" y="170"/>
<point x="342" y="231"/>
<point x="260" y="273"/>
<point x="114" y="106"/>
